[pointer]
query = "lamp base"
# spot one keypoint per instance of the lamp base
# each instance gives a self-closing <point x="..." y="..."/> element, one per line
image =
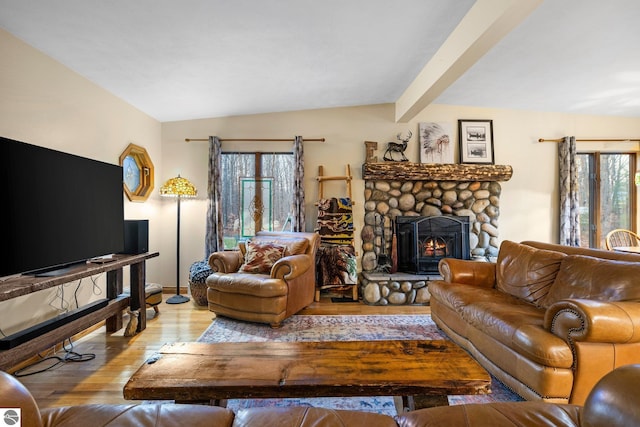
<point x="177" y="299"/>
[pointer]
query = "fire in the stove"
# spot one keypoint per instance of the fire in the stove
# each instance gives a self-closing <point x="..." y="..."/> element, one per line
<point x="434" y="247"/>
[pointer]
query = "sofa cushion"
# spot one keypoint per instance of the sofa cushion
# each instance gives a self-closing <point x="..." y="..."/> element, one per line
<point x="596" y="279"/>
<point x="499" y="414"/>
<point x="525" y="272"/>
<point x="261" y="256"/>
<point x="152" y="415"/>
<point x="506" y="319"/>
<point x="301" y="416"/>
<point x="254" y="284"/>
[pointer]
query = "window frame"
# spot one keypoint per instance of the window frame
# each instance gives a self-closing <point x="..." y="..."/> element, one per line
<point x="594" y="161"/>
<point x="257" y="173"/>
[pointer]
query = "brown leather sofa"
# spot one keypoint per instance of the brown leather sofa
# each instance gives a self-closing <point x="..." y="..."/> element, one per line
<point x="547" y="320"/>
<point x="614" y="402"/>
<point x="270" y="278"/>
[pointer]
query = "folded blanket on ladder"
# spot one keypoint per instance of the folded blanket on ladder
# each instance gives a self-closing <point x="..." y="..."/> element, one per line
<point x="336" y="265"/>
<point x="335" y="221"/>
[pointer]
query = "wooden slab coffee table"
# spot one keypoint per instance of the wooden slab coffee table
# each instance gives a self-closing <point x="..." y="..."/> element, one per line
<point x="214" y="372"/>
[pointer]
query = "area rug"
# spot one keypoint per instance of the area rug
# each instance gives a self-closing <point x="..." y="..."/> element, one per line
<point x="341" y="328"/>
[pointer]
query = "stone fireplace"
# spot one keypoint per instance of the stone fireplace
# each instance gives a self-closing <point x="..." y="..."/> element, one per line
<point x="395" y="192"/>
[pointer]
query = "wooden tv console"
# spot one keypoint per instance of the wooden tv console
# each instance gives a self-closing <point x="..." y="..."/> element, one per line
<point x="112" y="313"/>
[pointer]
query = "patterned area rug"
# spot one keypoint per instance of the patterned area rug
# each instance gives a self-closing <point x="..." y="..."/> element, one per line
<point x="341" y="328"/>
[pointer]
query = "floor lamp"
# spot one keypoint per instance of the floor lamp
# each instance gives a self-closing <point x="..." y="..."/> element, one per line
<point x="178" y="187"/>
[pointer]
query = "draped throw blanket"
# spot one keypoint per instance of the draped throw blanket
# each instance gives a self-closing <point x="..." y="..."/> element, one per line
<point x="335" y="221"/>
<point x="298" y="197"/>
<point x="213" y="237"/>
<point x="569" y="213"/>
<point x="336" y="264"/>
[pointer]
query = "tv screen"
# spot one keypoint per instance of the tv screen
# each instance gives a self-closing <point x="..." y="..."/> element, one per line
<point x="59" y="208"/>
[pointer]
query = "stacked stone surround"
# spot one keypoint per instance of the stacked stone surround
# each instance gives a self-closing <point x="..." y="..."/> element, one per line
<point x="387" y="198"/>
<point x="395" y="289"/>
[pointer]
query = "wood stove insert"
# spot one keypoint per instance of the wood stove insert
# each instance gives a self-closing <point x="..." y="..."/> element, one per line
<point x="424" y="241"/>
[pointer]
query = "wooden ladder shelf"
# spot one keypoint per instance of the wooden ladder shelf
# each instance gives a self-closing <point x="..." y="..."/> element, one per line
<point x="321" y="178"/>
<point x="348" y="177"/>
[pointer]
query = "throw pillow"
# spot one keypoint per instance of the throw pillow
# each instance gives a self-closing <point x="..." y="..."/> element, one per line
<point x="260" y="257"/>
<point x="293" y="245"/>
<point x="595" y="278"/>
<point x="526" y="272"/>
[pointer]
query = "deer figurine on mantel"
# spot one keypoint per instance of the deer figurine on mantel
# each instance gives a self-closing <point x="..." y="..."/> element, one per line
<point x="394" y="147"/>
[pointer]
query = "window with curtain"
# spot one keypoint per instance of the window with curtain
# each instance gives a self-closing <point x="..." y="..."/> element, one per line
<point x="607" y="195"/>
<point x="257" y="194"/>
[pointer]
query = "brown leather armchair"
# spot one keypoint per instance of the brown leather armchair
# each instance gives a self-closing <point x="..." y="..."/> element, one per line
<point x="270" y="278"/>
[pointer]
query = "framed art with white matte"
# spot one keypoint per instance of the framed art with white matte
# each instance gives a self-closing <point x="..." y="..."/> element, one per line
<point x="476" y="141"/>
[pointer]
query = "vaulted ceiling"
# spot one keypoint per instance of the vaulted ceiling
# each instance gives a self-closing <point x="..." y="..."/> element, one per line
<point x="189" y="59"/>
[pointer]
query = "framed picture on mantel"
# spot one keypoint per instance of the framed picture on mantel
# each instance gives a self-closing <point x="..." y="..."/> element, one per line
<point x="476" y="141"/>
<point x="436" y="143"/>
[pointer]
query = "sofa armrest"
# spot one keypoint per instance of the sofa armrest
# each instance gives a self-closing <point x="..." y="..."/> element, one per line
<point x="291" y="266"/>
<point x="15" y="395"/>
<point x="468" y="272"/>
<point x="594" y="321"/>
<point x="225" y="261"/>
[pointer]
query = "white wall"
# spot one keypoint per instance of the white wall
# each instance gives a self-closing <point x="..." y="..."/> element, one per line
<point x="529" y="201"/>
<point x="45" y="103"/>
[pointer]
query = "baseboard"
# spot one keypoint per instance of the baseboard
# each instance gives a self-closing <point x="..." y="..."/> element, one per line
<point x="171" y="290"/>
<point x="342" y="299"/>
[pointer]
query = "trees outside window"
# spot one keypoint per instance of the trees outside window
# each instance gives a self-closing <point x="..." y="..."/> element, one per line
<point x="607" y="195"/>
<point x="268" y="208"/>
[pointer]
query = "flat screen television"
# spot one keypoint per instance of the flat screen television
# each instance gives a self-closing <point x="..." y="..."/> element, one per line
<point x="59" y="209"/>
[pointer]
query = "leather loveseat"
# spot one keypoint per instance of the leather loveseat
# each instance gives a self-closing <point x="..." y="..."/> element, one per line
<point x="547" y="320"/>
<point x="614" y="402"/>
<point x="271" y="277"/>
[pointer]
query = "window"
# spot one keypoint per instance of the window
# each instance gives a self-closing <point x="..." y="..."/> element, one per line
<point x="257" y="194"/>
<point x="607" y="195"/>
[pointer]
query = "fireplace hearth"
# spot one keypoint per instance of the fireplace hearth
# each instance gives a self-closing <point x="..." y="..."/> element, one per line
<point x="424" y="241"/>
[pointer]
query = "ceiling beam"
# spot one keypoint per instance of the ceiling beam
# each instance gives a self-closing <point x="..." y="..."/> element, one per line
<point x="486" y="23"/>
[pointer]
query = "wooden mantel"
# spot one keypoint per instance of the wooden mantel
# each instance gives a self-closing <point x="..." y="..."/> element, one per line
<point x="406" y="171"/>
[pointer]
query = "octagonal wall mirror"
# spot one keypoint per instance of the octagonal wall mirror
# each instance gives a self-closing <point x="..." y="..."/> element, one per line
<point x="137" y="171"/>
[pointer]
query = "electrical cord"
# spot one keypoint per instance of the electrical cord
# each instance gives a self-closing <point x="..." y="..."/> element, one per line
<point x="75" y="293"/>
<point x="97" y="290"/>
<point x="69" y="356"/>
<point x="64" y="305"/>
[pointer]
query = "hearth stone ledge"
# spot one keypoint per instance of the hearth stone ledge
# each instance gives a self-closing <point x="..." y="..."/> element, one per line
<point x="379" y="288"/>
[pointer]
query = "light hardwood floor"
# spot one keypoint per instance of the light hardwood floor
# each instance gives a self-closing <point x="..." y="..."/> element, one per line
<point x="117" y="357"/>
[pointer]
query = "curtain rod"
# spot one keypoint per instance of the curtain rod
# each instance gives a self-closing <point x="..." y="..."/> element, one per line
<point x="253" y="140"/>
<point x="591" y="140"/>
